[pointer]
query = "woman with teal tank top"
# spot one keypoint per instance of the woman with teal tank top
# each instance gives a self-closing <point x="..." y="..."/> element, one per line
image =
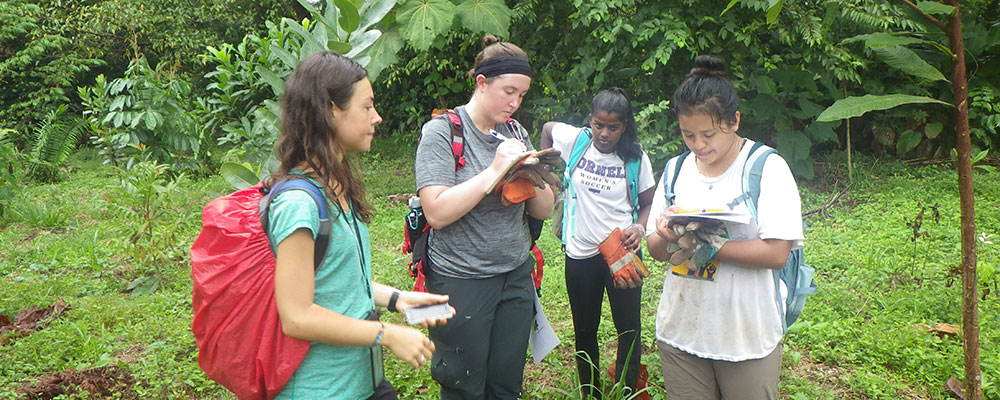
<point x="327" y="112"/>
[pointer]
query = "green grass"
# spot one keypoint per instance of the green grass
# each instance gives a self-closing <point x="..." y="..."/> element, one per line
<point x="855" y="340"/>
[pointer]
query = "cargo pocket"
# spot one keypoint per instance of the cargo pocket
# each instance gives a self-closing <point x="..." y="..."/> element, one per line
<point x="447" y="366"/>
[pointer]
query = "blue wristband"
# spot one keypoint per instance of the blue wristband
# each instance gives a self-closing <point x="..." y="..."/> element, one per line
<point x="378" y="339"/>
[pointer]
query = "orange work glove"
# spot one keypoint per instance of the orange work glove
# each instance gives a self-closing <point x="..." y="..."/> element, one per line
<point x="625" y="267"/>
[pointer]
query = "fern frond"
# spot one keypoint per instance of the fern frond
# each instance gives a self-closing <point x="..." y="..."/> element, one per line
<point x="55" y="138"/>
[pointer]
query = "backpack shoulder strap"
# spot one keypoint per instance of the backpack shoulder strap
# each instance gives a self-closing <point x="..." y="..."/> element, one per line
<point x="457" y="141"/>
<point x="752" y="174"/>
<point x="632" y="180"/>
<point x="670" y="173"/>
<point x="583" y="139"/>
<point x="579" y="147"/>
<point x="296" y="182"/>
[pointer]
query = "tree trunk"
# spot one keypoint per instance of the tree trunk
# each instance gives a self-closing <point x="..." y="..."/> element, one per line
<point x="970" y="300"/>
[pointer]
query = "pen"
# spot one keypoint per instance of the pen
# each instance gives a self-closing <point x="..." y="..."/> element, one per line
<point x="497" y="135"/>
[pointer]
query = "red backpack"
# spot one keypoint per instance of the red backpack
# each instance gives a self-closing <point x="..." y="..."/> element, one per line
<point x="236" y="326"/>
<point x="415" y="232"/>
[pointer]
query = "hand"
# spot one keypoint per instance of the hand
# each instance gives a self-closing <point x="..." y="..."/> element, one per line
<point x="417" y="299"/>
<point x="698" y="241"/>
<point x="507" y="151"/>
<point x="408" y="344"/>
<point x="632" y="237"/>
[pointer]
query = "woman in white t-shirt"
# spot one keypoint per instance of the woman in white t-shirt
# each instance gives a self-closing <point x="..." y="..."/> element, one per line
<point x="601" y="204"/>
<point x="719" y="333"/>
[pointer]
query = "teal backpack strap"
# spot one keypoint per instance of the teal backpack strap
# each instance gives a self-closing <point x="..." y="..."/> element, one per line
<point x="670" y="173"/>
<point x="752" y="172"/>
<point x="583" y="140"/>
<point x="632" y="180"/>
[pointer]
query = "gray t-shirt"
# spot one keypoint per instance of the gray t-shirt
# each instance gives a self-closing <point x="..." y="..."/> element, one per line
<point x="490" y="239"/>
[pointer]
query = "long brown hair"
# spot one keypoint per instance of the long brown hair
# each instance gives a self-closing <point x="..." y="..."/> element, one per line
<point x="308" y="132"/>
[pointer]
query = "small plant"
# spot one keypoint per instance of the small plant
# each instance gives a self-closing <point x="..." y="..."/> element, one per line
<point x="54" y="140"/>
<point x="915" y="225"/>
<point x="616" y="391"/>
<point x="987" y="270"/>
<point x="39" y="216"/>
<point x="143" y="198"/>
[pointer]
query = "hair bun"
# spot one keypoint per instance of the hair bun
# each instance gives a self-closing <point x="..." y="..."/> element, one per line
<point x="619" y="91"/>
<point x="490" y="39"/>
<point x="708" y="66"/>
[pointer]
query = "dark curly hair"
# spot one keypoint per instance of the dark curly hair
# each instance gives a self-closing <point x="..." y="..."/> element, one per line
<point x="307" y="129"/>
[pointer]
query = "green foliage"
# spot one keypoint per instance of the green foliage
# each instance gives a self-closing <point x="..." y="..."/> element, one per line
<point x="55" y="137"/>
<point x="38" y="65"/>
<point x="984" y="106"/>
<point x="146" y="109"/>
<point x="249" y="77"/>
<point x="10" y="162"/>
<point x="142" y="200"/>
<point x="921" y="57"/>
<point x="856" y="106"/>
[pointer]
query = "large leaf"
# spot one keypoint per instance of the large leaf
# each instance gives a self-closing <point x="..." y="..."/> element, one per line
<point x="880" y="39"/>
<point x="238" y="175"/>
<point x="793" y="145"/>
<point x="907" y="141"/>
<point x="383" y="52"/>
<point x="821" y="132"/>
<point x="933" y="7"/>
<point x="349" y="17"/>
<point x="908" y="61"/>
<point x="933" y="129"/>
<point x="773" y="9"/>
<point x="857" y="106"/>
<point x="491" y="16"/>
<point x="363" y="41"/>
<point x="423" y="20"/>
<point x="373" y="11"/>
<point x="277" y="84"/>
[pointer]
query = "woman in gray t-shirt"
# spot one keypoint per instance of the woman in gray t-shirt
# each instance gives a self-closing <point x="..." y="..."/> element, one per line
<point x="479" y="248"/>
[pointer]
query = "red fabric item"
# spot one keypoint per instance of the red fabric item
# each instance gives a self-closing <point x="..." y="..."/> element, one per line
<point x="641" y="382"/>
<point x="536" y="274"/>
<point x="236" y="324"/>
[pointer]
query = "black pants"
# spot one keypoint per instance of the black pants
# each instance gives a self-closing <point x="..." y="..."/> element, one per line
<point x="480" y="352"/>
<point x="586" y="282"/>
<point x="385" y="391"/>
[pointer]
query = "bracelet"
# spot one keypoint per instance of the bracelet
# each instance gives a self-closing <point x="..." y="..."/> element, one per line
<point x="642" y="229"/>
<point x="378" y="338"/>
<point x="392" y="301"/>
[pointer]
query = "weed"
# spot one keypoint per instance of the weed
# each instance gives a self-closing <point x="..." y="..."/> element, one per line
<point x="143" y="199"/>
<point x="39" y="216"/>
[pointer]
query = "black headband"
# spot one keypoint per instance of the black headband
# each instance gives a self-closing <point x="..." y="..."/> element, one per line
<point x="504" y="65"/>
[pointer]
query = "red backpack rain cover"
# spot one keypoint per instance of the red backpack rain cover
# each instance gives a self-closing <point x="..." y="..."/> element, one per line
<point x="236" y="325"/>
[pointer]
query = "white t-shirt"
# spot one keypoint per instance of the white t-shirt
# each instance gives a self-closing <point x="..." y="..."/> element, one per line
<point x="602" y="203"/>
<point x="733" y="317"/>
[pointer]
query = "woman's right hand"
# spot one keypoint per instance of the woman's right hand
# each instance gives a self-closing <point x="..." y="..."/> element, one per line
<point x="408" y="344"/>
<point x="506" y="153"/>
<point x="665" y="226"/>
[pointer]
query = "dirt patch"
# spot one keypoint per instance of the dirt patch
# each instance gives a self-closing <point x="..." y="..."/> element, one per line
<point x="29" y="320"/>
<point x="104" y="382"/>
<point x="131" y="354"/>
<point x="401" y="198"/>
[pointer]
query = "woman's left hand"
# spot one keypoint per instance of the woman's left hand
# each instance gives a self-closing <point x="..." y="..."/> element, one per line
<point x="632" y="237"/>
<point x="416" y="299"/>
